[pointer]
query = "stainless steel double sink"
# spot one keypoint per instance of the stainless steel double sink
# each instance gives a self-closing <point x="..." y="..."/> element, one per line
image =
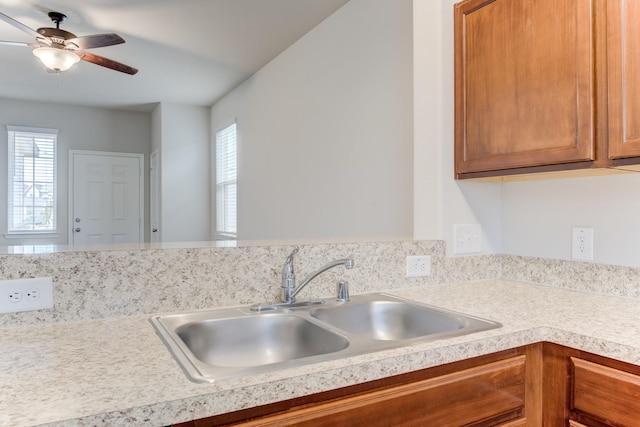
<point x="232" y="342"/>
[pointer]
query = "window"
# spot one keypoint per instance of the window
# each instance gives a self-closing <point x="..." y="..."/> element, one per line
<point x="226" y="184"/>
<point x="32" y="180"/>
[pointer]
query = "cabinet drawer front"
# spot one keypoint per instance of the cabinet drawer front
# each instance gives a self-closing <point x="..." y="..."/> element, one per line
<point x="477" y="395"/>
<point x="606" y="394"/>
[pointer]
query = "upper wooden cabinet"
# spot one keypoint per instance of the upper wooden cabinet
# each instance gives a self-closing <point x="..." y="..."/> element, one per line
<point x="623" y="71"/>
<point x="546" y="85"/>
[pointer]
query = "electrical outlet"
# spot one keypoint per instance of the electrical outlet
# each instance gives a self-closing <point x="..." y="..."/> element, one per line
<point x="582" y="243"/>
<point x="33" y="294"/>
<point x="418" y="266"/>
<point x="467" y="239"/>
<point x="26" y="294"/>
<point x="15" y="296"/>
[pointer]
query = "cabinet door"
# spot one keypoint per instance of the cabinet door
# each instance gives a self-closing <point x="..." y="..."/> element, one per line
<point x="604" y="394"/>
<point x="623" y="63"/>
<point x="524" y="83"/>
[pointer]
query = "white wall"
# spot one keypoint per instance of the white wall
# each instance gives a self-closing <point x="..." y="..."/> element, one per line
<point x="80" y="128"/>
<point x="184" y="144"/>
<point x="532" y="218"/>
<point x="538" y="217"/>
<point x="156" y="147"/>
<point x="156" y="129"/>
<point x="428" y="113"/>
<point x="441" y="201"/>
<point x="326" y="130"/>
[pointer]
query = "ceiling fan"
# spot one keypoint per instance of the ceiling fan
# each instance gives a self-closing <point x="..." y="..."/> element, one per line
<point x="59" y="50"/>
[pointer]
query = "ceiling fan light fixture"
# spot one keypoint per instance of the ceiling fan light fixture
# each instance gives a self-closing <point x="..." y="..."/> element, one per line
<point x="56" y="59"/>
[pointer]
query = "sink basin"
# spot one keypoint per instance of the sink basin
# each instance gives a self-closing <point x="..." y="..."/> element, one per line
<point x="257" y="340"/>
<point x="390" y="320"/>
<point x="232" y="342"/>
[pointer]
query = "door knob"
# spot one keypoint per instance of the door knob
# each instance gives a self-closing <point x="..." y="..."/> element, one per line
<point x="77" y="230"/>
<point x="77" y="219"/>
<point x="155" y="230"/>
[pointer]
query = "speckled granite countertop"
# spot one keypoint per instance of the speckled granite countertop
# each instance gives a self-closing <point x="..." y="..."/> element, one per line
<point x="118" y="372"/>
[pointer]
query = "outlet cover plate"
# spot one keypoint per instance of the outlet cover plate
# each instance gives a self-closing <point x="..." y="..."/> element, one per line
<point x="26" y="294"/>
<point x="418" y="266"/>
<point x="582" y="243"/>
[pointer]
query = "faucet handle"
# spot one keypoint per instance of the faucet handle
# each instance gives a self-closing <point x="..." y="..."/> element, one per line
<point x="288" y="278"/>
<point x="287" y="268"/>
<point x="293" y="252"/>
<point x="343" y="291"/>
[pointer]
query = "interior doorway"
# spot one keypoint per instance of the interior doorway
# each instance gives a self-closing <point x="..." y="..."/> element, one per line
<point x="106" y="197"/>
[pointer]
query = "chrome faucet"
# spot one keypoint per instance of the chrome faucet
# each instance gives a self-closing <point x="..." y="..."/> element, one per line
<point x="289" y="288"/>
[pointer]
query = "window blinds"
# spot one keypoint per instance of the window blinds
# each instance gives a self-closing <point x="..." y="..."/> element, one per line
<point x="226" y="183"/>
<point x="32" y="180"/>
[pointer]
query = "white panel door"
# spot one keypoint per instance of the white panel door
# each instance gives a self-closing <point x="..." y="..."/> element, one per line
<point x="106" y="198"/>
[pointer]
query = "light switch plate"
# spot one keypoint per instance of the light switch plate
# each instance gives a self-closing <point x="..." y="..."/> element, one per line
<point x="467" y="239"/>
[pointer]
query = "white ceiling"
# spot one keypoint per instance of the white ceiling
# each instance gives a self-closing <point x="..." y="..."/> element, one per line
<point x="188" y="52"/>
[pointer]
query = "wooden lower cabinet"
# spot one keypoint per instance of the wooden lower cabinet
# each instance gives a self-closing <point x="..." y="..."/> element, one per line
<point x="484" y="391"/>
<point x="604" y="395"/>
<point x="485" y="395"/>
<point x="543" y="384"/>
<point x="581" y="389"/>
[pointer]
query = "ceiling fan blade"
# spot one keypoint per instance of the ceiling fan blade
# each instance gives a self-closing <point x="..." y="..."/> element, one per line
<point x="96" y="40"/>
<point x="106" y="62"/>
<point x="19" y="25"/>
<point x="20" y="44"/>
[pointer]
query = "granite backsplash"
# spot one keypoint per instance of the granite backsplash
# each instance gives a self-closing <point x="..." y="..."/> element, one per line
<point x="104" y="284"/>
